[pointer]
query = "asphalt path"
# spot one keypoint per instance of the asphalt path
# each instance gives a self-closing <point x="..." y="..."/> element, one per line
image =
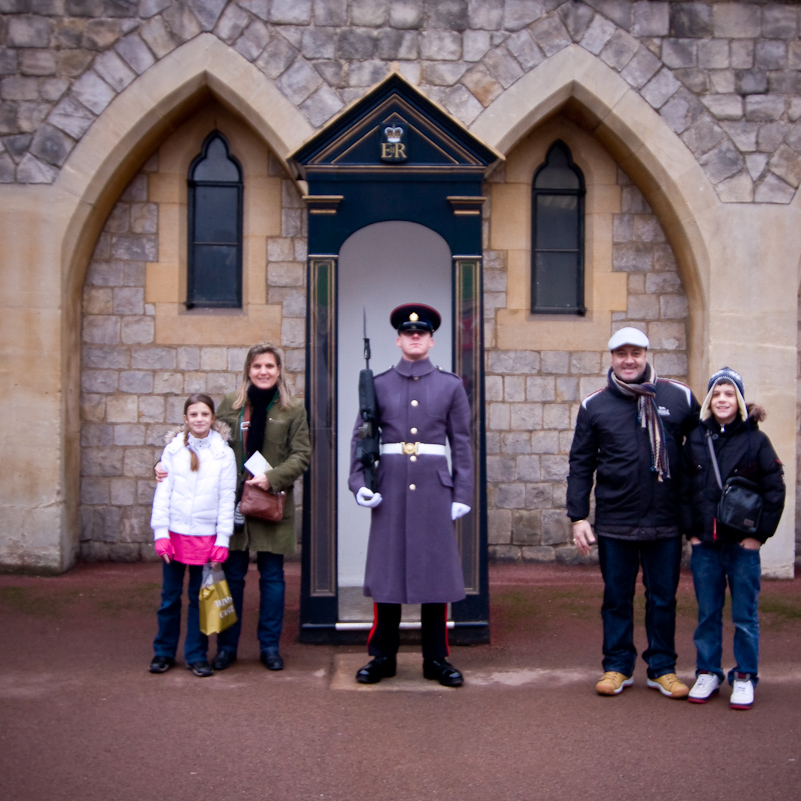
<point x="81" y="717"/>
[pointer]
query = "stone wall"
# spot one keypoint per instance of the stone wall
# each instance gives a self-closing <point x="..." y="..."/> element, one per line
<point x="724" y="75"/>
<point x="133" y="388"/>
<point x="533" y="396"/>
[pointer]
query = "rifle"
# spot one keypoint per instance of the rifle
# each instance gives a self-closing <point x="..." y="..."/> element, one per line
<point x="367" y="450"/>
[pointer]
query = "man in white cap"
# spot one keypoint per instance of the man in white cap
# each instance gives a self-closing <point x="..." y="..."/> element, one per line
<point x="629" y="436"/>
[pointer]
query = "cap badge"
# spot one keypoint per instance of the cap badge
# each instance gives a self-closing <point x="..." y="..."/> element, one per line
<point x="414" y="317"/>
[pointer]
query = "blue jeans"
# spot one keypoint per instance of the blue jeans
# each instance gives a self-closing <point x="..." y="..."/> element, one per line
<point x="169" y="615"/>
<point x="661" y="567"/>
<point x="271" y="601"/>
<point x="714" y="564"/>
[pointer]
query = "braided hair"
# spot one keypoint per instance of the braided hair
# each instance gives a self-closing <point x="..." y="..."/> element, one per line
<point x="197" y="397"/>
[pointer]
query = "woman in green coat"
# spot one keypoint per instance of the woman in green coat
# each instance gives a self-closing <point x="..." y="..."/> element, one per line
<point x="264" y="417"/>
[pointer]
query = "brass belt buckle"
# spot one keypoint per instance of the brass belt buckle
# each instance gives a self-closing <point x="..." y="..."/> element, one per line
<point x="409" y="448"/>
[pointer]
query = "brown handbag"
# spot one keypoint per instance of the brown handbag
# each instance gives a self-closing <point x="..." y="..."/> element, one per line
<point x="256" y="502"/>
<point x="263" y="504"/>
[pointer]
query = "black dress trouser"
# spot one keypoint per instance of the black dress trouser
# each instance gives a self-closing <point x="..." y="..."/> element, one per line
<point x="385" y="635"/>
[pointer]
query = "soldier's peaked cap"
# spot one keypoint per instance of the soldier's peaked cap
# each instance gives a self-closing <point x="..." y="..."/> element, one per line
<point x="415" y="317"/>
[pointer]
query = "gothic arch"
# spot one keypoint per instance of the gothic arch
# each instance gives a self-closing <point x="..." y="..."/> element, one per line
<point x="596" y="97"/>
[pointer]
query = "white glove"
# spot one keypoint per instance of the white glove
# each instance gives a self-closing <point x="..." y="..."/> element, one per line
<point x="459" y="510"/>
<point x="365" y="497"/>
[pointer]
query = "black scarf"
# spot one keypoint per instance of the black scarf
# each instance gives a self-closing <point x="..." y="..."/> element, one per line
<point x="260" y="402"/>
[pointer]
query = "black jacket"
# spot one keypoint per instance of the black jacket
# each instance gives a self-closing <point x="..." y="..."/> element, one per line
<point x="630" y="501"/>
<point x="742" y="450"/>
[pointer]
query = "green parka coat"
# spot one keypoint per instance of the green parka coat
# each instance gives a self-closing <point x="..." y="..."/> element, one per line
<point x="286" y="447"/>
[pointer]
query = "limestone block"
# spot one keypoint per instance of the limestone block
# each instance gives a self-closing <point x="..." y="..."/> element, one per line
<point x="770" y="55"/>
<point x="127" y="434"/>
<point x="750" y="81"/>
<point x="462" y="104"/>
<point x="37" y="62"/>
<point x="163" y="282"/>
<point x="598" y="34"/>
<point x="779" y="22"/>
<point x="525" y="50"/>
<point x="122" y="492"/>
<point x="369" y="13"/>
<point x="525" y="416"/>
<point x="499" y="526"/>
<point x="549" y="33"/>
<point x="16" y="87"/>
<point x="177" y="326"/>
<point x="670" y="365"/>
<point x="291" y="12"/>
<point x="331" y="12"/>
<point x="509" y="496"/>
<point x="138" y="462"/>
<point x="207" y="11"/>
<point x="650" y="18"/>
<point x="28" y="31"/>
<point x="499" y="416"/>
<point x="493" y="388"/>
<point x="693" y="19"/>
<point x="555" y="528"/>
<point x="151" y="408"/>
<point x="442" y="73"/>
<point x="101" y="330"/>
<point x="475" y="44"/>
<point x="515" y="442"/>
<point x="725" y="107"/>
<point x="556" y="416"/>
<point x="552" y="362"/>
<point x="641" y="68"/>
<point x="94" y="435"/>
<point x="567" y="388"/>
<point x="285" y="274"/>
<point x="736" y="20"/>
<point x="153" y="358"/>
<point x="158" y="37"/>
<point x="554" y="467"/>
<point x="276" y="57"/>
<point x="318" y="43"/>
<point x="129" y="300"/>
<point x="485" y="14"/>
<point x="643" y="307"/>
<point x="94" y="490"/>
<point x="188" y="358"/>
<point x="253" y="41"/>
<point x="356" y="43"/>
<point x="166" y="383"/>
<point x="773" y="189"/>
<point x="71" y="117"/>
<point x="137" y="330"/>
<point x="743" y="134"/>
<point x="213" y="358"/>
<point x="514" y="389"/>
<point x="91" y="90"/>
<point x="93" y="408"/>
<point x="501" y="468"/>
<point x="539" y="496"/>
<point x="370" y="72"/>
<point x="660" y="88"/>
<point x="101" y="462"/>
<point x="194" y="382"/>
<point x="136" y="382"/>
<point x="292" y="301"/>
<point x="220" y="383"/>
<point x="51" y="145"/>
<point x="135" y="247"/>
<point x="504" y="66"/>
<point x="576" y="18"/>
<point x="113" y="70"/>
<point x="526" y="527"/>
<point x="785" y="163"/>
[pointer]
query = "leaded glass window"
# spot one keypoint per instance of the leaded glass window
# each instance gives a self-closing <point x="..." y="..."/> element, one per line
<point x="557" y="231"/>
<point x="214" y="275"/>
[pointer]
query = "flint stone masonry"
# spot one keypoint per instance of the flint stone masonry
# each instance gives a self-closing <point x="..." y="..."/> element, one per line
<point x="66" y="70"/>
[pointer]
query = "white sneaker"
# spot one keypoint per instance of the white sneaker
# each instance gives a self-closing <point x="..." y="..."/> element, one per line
<point x="706" y="685"/>
<point x="742" y="691"/>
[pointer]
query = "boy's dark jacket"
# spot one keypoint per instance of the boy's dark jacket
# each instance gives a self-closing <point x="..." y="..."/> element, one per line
<point x="742" y="450"/>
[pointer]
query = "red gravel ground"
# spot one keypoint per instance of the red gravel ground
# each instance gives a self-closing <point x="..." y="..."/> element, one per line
<point x="81" y="718"/>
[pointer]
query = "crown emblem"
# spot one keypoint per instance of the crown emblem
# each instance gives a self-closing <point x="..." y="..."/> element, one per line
<point x="414" y="317"/>
<point x="394" y="134"/>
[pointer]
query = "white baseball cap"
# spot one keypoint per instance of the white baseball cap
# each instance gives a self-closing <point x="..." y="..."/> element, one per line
<point x="628" y="336"/>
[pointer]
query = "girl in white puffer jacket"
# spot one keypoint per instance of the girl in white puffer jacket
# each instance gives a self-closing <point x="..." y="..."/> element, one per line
<point x="192" y="519"/>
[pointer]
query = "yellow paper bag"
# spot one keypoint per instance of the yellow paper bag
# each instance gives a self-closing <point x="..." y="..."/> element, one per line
<point x="216" y="604"/>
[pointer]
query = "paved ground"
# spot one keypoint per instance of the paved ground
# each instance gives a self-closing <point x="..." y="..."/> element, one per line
<point x="81" y="718"/>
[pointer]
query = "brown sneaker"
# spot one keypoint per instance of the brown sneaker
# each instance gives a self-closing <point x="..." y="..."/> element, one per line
<point x="612" y="683"/>
<point x="670" y="685"/>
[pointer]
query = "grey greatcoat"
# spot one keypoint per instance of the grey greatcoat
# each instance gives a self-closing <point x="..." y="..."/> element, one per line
<point x="412" y="554"/>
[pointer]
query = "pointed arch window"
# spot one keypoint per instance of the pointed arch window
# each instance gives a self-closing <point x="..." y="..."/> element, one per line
<point x="557" y="230"/>
<point x="214" y="274"/>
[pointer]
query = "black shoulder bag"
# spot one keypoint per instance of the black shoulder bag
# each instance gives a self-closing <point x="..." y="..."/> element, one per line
<point x="740" y="504"/>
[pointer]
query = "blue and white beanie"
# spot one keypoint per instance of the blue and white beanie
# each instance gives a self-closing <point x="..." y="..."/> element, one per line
<point x="725" y="376"/>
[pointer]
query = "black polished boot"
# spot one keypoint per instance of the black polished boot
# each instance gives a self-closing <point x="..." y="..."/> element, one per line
<point x="442" y="671"/>
<point x="379" y="667"/>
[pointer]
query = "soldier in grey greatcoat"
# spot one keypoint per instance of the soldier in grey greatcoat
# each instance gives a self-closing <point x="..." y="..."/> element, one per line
<point x="412" y="555"/>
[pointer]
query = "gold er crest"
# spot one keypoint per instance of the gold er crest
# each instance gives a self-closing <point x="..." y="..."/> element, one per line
<point x="414" y="317"/>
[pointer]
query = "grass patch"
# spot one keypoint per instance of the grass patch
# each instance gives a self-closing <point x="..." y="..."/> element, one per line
<point x="21" y="601"/>
<point x="138" y="598"/>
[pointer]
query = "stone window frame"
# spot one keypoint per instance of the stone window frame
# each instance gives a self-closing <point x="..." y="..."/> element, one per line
<point x="192" y="302"/>
<point x="579" y="308"/>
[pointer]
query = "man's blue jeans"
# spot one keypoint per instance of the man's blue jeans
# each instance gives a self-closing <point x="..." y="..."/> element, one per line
<point x="661" y="567"/>
<point x="714" y="564"/>
<point x="271" y="603"/>
<point x="169" y="614"/>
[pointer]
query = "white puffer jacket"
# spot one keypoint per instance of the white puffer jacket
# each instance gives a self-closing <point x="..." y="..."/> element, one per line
<point x="200" y="503"/>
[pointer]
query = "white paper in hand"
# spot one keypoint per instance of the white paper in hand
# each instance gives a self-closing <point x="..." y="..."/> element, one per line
<point x="257" y="464"/>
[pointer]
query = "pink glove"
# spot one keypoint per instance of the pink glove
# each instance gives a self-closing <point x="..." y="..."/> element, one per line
<point x="164" y="547"/>
<point x="219" y="553"/>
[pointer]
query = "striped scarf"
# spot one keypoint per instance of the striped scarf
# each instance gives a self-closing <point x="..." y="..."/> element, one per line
<point x="647" y="416"/>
